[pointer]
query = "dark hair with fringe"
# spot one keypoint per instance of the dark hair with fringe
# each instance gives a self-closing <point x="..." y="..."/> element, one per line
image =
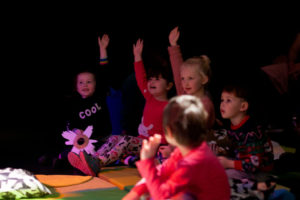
<point x="242" y="91"/>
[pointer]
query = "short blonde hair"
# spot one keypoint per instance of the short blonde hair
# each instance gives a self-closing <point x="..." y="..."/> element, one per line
<point x="202" y="64"/>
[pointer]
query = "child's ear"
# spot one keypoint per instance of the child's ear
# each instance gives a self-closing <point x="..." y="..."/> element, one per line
<point x="244" y="106"/>
<point x="170" y="85"/>
<point x="204" y="79"/>
<point x="168" y="131"/>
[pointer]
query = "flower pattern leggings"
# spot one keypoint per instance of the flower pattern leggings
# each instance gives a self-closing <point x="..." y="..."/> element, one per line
<point x="117" y="146"/>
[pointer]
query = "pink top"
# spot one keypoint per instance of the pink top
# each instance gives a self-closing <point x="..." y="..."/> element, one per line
<point x="199" y="173"/>
<point x="176" y="62"/>
<point x="153" y="110"/>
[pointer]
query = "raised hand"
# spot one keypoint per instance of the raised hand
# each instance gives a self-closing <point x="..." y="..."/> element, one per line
<point x="138" y="49"/>
<point x="104" y="41"/>
<point x="174" y="36"/>
<point x="150" y="147"/>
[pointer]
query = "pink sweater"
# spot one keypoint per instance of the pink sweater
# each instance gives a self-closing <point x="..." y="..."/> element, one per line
<point x="199" y="173"/>
<point x="153" y="110"/>
<point x="176" y="62"/>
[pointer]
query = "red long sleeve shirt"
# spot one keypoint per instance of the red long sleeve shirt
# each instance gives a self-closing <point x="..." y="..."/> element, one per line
<point x="153" y="110"/>
<point x="199" y="173"/>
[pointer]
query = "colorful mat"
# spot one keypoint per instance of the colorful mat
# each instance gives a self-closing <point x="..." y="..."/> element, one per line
<point x="79" y="187"/>
<point x="122" y="177"/>
<point x="111" y="183"/>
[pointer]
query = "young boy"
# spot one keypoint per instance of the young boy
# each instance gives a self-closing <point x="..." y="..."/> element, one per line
<point x="192" y="171"/>
<point x="253" y="149"/>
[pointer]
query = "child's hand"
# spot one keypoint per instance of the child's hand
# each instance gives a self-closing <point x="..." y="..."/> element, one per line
<point x="150" y="147"/>
<point x="226" y="163"/>
<point x="214" y="148"/>
<point x="77" y="131"/>
<point x="103" y="42"/>
<point x="174" y="36"/>
<point x="138" y="49"/>
<point x="166" y="151"/>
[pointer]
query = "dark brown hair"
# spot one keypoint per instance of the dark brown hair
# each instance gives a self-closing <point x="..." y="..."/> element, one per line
<point x="242" y="91"/>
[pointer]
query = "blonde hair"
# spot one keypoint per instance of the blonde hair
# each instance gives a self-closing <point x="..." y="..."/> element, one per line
<point x="201" y="63"/>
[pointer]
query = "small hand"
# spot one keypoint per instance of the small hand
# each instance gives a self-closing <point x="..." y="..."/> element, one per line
<point x="150" y="147"/>
<point x="138" y="49"/>
<point x="226" y="163"/>
<point x="174" y="36"/>
<point x="214" y="148"/>
<point x="104" y="41"/>
<point x="166" y="150"/>
<point x="77" y="131"/>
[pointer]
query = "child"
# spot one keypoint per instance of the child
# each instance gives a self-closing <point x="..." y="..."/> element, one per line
<point x="192" y="75"/>
<point x="88" y="105"/>
<point x="85" y="106"/>
<point x="154" y="87"/>
<point x="192" y="170"/>
<point x="253" y="149"/>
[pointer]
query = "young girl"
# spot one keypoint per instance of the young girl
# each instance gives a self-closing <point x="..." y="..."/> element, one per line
<point x="192" y="75"/>
<point x="192" y="171"/>
<point x="154" y="86"/>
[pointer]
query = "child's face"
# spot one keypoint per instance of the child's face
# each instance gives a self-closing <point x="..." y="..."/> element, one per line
<point x="86" y="84"/>
<point x="157" y="86"/>
<point x="231" y="105"/>
<point x="191" y="80"/>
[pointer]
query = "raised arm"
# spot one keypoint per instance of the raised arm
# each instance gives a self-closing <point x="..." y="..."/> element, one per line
<point x="104" y="72"/>
<point x="140" y="73"/>
<point x="103" y="43"/>
<point x="175" y="58"/>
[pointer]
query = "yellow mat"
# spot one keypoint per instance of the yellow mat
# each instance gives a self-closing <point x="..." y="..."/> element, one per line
<point x="62" y="180"/>
<point x="120" y="176"/>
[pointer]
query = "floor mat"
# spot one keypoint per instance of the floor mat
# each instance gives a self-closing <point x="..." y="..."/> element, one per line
<point x="79" y="187"/>
<point x="62" y="180"/>
<point x="122" y="177"/>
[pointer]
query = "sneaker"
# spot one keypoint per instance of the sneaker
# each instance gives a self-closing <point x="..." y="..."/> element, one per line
<point x="76" y="162"/>
<point x="91" y="163"/>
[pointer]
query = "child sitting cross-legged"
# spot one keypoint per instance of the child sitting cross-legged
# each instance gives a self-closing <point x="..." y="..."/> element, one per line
<point x="192" y="171"/>
<point x="252" y="149"/>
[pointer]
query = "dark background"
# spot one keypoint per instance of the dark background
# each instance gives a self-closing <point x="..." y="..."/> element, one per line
<point x="41" y="51"/>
